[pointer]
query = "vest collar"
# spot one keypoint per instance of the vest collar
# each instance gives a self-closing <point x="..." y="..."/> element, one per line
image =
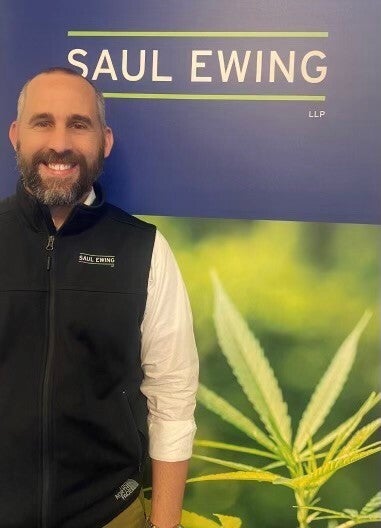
<point x="38" y="216"/>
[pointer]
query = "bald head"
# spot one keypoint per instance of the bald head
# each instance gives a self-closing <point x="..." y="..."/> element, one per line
<point x="99" y="99"/>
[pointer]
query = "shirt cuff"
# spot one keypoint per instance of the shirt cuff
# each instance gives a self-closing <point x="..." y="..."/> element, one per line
<point x="171" y="441"/>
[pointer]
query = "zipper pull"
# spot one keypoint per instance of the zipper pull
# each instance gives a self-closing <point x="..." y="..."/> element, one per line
<point x="50" y="245"/>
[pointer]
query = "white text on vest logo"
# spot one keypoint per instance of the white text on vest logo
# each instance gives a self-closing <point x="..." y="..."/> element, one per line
<point x="100" y="260"/>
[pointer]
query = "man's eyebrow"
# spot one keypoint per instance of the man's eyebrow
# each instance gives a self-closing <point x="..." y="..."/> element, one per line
<point x="43" y="115"/>
<point x="79" y="117"/>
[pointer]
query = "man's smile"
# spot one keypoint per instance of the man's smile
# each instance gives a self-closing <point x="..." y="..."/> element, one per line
<point x="58" y="169"/>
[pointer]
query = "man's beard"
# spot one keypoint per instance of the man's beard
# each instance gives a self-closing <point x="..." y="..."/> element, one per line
<point x="59" y="190"/>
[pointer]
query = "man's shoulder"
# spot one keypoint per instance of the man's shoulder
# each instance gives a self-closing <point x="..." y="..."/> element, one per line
<point x="119" y="215"/>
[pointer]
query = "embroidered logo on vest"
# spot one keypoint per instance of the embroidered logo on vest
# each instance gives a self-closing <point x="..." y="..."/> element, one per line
<point x="126" y="489"/>
<point x="98" y="260"/>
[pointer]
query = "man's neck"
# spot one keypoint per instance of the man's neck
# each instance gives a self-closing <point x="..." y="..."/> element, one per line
<point x="60" y="213"/>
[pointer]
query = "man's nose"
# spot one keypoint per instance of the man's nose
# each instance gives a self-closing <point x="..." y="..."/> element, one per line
<point x="59" y="140"/>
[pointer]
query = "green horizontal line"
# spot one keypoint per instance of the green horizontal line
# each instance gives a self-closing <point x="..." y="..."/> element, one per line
<point x="213" y="97"/>
<point x="186" y="34"/>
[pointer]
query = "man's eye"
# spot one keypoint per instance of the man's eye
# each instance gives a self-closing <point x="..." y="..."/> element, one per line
<point x="42" y="124"/>
<point x="79" y="126"/>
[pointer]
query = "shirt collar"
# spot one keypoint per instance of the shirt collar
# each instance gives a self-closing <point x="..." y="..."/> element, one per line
<point x="90" y="198"/>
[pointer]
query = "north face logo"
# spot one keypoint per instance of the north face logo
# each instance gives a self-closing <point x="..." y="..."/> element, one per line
<point x="97" y="260"/>
<point x="126" y="489"/>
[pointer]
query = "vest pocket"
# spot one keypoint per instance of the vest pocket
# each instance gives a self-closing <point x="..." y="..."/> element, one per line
<point x="132" y="432"/>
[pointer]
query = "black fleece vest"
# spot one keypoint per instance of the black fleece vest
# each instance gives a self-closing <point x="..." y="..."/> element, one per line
<point x="73" y="433"/>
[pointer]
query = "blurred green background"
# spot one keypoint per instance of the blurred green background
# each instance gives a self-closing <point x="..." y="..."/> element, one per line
<point x="302" y="287"/>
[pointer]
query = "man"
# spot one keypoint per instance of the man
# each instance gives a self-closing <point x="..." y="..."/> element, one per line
<point x="94" y="325"/>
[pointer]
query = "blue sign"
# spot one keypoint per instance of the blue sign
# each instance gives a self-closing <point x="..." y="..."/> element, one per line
<point x="251" y="109"/>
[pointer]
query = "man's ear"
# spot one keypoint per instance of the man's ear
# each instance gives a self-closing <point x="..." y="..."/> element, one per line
<point x="14" y="134"/>
<point x="109" y="141"/>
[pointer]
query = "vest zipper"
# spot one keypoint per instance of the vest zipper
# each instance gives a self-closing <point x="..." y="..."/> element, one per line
<point x="46" y="449"/>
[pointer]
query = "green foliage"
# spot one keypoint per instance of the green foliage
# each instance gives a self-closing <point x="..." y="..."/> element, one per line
<point x="231" y="415"/>
<point x="370" y="513"/>
<point x="329" y="388"/>
<point x="372" y="505"/>
<point x="193" y="520"/>
<point x="251" y="368"/>
<point x="307" y="465"/>
<point x="256" y="475"/>
<point x="301" y="286"/>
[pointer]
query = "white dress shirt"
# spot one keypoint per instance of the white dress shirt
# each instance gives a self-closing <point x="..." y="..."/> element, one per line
<point x="169" y="357"/>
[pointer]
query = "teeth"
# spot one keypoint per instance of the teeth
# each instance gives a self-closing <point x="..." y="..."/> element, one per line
<point x="58" y="166"/>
